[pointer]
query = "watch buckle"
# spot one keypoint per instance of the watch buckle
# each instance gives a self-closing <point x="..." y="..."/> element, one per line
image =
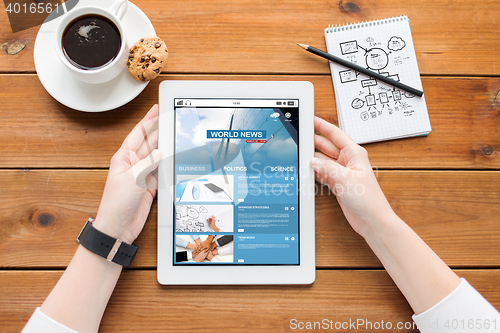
<point x="114" y="250"/>
<point x="89" y="220"/>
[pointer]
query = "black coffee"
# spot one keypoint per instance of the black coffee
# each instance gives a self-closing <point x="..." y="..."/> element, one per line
<point x="91" y="41"/>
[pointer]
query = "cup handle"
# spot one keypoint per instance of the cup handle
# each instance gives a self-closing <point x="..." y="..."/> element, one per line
<point x="119" y="8"/>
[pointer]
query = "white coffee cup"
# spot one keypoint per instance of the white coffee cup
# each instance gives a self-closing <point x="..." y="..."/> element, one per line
<point x="102" y="74"/>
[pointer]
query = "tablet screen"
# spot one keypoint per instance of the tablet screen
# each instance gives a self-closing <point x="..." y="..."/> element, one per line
<point x="236" y="181"/>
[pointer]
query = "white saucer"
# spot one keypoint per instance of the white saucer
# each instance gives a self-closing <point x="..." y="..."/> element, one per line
<point x="76" y="94"/>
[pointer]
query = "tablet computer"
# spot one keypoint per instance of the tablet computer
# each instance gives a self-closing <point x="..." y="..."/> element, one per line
<point x="235" y="180"/>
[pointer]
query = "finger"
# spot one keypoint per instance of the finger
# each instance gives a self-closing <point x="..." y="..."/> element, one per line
<point x="152" y="184"/>
<point x="150" y="143"/>
<point x="338" y="137"/>
<point x="328" y="168"/>
<point x="136" y="137"/>
<point x="202" y="254"/>
<point x="145" y="166"/>
<point x="155" y="175"/>
<point x="319" y="154"/>
<point x="326" y="146"/>
<point x="320" y="178"/>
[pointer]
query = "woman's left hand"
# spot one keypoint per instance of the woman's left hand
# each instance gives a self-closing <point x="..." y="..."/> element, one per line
<point x="131" y="184"/>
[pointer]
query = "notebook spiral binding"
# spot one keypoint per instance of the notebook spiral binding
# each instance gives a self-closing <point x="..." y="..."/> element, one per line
<point x="343" y="27"/>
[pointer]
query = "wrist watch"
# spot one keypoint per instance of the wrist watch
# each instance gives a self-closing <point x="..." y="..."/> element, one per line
<point x="114" y="250"/>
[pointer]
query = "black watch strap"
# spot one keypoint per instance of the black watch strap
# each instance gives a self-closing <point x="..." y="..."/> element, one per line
<point x="106" y="246"/>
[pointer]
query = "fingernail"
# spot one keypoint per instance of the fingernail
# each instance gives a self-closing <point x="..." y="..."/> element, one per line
<point x="315" y="161"/>
<point x="157" y="154"/>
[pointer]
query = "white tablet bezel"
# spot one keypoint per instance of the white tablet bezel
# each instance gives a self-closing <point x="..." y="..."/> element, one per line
<point x="305" y="272"/>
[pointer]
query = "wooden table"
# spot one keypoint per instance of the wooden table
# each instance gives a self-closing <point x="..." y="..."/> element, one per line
<point x="54" y="160"/>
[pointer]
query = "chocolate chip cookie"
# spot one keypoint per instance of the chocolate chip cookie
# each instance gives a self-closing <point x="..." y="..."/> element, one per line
<point x="147" y="58"/>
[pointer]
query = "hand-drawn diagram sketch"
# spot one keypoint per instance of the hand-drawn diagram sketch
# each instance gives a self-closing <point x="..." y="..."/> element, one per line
<point x="368" y="109"/>
<point x="374" y="99"/>
<point x="193" y="218"/>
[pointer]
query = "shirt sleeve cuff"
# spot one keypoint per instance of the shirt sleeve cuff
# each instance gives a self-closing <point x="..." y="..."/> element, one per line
<point x="40" y="322"/>
<point x="463" y="310"/>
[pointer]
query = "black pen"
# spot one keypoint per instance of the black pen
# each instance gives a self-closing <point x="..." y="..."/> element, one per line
<point x="363" y="70"/>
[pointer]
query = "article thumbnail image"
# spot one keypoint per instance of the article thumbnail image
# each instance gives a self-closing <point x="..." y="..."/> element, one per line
<point x="209" y="188"/>
<point x="204" y="218"/>
<point x="204" y="249"/>
<point x="278" y="147"/>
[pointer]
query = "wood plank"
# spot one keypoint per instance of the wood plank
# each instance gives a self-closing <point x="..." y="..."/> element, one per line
<point x="456" y="212"/>
<point x="235" y="36"/>
<point x="140" y="304"/>
<point x="39" y="132"/>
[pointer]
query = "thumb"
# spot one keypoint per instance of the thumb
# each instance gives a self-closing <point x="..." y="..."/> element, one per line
<point x="145" y="166"/>
<point x="328" y="168"/>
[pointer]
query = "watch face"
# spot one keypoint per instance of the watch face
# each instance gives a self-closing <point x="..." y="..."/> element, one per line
<point x="196" y="192"/>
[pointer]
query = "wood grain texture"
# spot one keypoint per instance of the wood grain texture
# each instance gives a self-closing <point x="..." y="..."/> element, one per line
<point x="456" y="212"/>
<point x="235" y="36"/>
<point x="38" y="132"/>
<point x="140" y="304"/>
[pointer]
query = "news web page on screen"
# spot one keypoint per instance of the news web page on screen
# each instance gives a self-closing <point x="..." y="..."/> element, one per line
<point x="236" y="181"/>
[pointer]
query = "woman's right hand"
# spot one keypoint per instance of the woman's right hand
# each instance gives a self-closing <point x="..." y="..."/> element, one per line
<point x="343" y="165"/>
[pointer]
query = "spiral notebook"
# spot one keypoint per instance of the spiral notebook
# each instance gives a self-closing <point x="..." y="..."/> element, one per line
<point x="369" y="110"/>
